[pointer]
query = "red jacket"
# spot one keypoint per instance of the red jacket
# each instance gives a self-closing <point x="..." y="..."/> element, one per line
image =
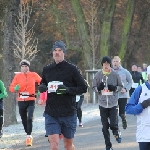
<point x="26" y="81"/>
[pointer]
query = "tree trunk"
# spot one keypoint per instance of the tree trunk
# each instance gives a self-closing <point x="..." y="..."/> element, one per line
<point x="83" y="32"/>
<point x="9" y="62"/>
<point x="60" y="23"/>
<point x="1" y="47"/>
<point x="106" y="28"/>
<point x="126" y="28"/>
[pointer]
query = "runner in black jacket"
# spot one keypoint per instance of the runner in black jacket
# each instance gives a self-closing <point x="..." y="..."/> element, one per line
<point x="60" y="110"/>
<point x="136" y="76"/>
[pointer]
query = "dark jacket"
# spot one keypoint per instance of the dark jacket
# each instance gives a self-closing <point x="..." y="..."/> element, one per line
<point x="64" y="104"/>
<point x="137" y="76"/>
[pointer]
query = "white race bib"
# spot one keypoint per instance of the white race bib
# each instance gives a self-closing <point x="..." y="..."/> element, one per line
<point x="24" y="94"/>
<point x="77" y="98"/>
<point x="135" y="85"/>
<point x="52" y="86"/>
<point x="107" y="93"/>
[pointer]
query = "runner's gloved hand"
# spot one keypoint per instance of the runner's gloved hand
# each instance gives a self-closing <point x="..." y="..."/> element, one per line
<point x="101" y="86"/>
<point x="146" y="103"/>
<point x="112" y="88"/>
<point x="42" y="88"/>
<point x="38" y="93"/>
<point x="5" y="94"/>
<point x="62" y="89"/>
<point x="17" y="87"/>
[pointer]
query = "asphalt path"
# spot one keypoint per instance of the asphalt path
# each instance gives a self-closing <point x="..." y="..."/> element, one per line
<point x="90" y="137"/>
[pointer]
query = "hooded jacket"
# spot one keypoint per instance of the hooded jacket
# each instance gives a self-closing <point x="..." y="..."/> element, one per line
<point x="107" y="101"/>
<point x="126" y="80"/>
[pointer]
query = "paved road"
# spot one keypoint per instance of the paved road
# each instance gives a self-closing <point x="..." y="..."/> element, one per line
<point x="90" y="137"/>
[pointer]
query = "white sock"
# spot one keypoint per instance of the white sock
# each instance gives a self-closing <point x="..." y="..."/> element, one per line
<point x="29" y="136"/>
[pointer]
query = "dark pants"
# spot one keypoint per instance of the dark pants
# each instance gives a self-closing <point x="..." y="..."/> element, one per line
<point x="78" y="107"/>
<point x="121" y="104"/>
<point x="1" y="114"/>
<point x="144" y="145"/>
<point x="26" y="110"/>
<point x="109" y="119"/>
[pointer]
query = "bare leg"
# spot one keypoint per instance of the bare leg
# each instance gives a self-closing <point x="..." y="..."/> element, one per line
<point x="68" y="144"/>
<point x="54" y="141"/>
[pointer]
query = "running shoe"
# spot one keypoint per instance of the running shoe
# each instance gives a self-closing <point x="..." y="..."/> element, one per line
<point x="29" y="141"/>
<point x="118" y="137"/>
<point x="109" y="148"/>
<point x="80" y="124"/>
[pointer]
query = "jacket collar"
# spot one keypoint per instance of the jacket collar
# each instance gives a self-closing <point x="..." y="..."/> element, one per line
<point x="60" y="63"/>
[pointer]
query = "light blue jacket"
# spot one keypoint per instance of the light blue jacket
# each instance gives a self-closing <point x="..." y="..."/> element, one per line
<point x="126" y="80"/>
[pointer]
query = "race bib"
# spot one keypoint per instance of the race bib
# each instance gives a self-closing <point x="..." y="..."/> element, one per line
<point x="135" y="85"/>
<point x="24" y="94"/>
<point x="107" y="93"/>
<point x="52" y="86"/>
<point x="77" y="98"/>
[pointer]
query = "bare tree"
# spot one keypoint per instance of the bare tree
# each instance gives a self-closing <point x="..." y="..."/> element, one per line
<point x="91" y="13"/>
<point x="25" y="42"/>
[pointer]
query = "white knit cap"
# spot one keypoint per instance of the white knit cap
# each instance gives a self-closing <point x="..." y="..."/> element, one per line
<point x="148" y="70"/>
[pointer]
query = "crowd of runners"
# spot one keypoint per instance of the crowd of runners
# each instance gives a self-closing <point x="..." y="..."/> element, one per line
<point x="61" y="88"/>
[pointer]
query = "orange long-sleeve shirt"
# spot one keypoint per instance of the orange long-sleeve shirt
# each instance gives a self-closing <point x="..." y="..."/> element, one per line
<point x="26" y="81"/>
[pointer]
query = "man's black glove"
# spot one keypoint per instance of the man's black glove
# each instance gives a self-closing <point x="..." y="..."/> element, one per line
<point x="101" y="86"/>
<point x="112" y="88"/>
<point x="146" y="103"/>
<point x="42" y="88"/>
<point x="62" y="89"/>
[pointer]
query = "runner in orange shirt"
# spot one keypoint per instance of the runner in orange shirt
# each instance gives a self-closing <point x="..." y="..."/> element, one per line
<point x="24" y="84"/>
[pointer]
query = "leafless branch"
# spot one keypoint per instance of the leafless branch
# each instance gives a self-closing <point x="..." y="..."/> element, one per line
<point x="25" y="41"/>
<point x="92" y="19"/>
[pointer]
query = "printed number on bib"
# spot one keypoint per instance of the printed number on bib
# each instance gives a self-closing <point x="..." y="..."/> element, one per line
<point x="52" y="86"/>
<point x="24" y="94"/>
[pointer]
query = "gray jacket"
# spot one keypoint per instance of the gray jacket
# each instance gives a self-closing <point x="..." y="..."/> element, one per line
<point x="126" y="79"/>
<point x="107" y="101"/>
